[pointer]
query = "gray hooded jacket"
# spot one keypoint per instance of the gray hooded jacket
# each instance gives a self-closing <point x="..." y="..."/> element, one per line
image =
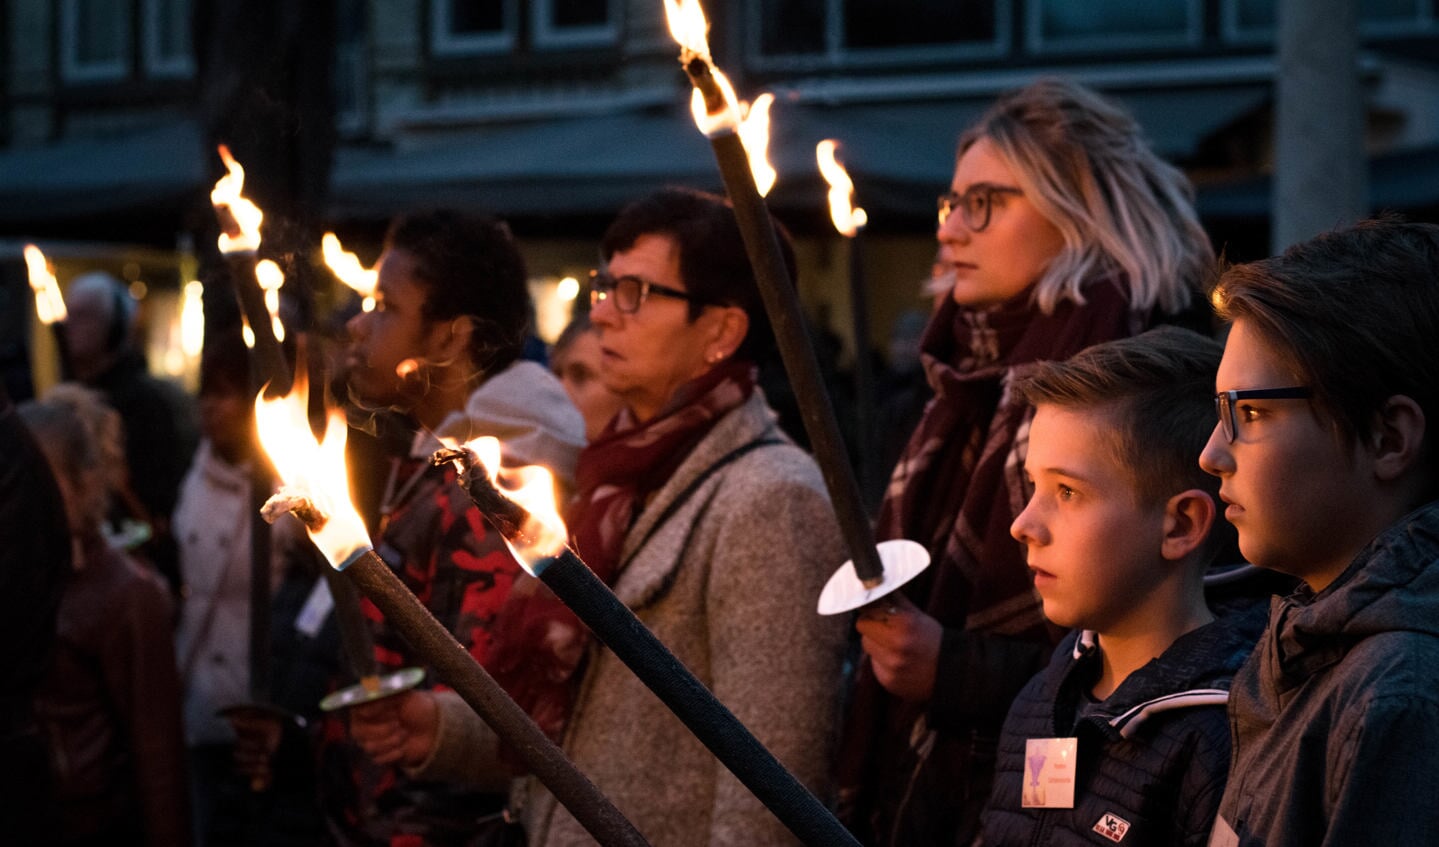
<point x="1335" y="718"/>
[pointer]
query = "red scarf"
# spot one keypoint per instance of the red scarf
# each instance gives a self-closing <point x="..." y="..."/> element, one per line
<point x="540" y="641"/>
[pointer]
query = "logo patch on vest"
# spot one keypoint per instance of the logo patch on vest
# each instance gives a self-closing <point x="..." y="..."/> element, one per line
<point x="1112" y="826"/>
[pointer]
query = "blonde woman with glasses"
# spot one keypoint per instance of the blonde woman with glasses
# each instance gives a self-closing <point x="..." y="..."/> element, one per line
<point x="1061" y="228"/>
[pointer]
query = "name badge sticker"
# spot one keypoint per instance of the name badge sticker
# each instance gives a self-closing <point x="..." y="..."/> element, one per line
<point x="1049" y="765"/>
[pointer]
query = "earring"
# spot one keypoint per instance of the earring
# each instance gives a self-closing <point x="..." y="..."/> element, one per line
<point x="715" y="356"/>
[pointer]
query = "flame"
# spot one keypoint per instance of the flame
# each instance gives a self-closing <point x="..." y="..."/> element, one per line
<point x="313" y="469"/>
<point x="406" y="367"/>
<point x="246" y="333"/>
<point x="49" y="305"/>
<point x="247" y="216"/>
<point x="347" y="269"/>
<point x="847" y="219"/>
<point x="754" y="134"/>
<point x="533" y="488"/>
<point x="689" y="28"/>
<point x="192" y="319"/>
<point x="271" y="278"/>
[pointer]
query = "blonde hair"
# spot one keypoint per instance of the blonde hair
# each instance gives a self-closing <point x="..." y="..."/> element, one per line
<point x="83" y="438"/>
<point x="1123" y="212"/>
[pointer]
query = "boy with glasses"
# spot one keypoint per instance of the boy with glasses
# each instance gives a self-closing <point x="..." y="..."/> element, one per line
<point x="1329" y="379"/>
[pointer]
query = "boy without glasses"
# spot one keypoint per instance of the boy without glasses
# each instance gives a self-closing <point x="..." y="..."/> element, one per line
<point x="1123" y="736"/>
<point x="1331" y="477"/>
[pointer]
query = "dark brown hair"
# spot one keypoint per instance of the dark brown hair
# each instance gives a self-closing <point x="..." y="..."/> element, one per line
<point x="1355" y="312"/>
<point x="1156" y="394"/>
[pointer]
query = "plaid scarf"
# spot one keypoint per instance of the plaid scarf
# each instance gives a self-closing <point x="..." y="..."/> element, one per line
<point x="956" y="489"/>
<point x="615" y="476"/>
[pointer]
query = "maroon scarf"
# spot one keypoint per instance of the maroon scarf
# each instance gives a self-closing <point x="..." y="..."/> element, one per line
<point x="956" y="489"/>
<point x="539" y="640"/>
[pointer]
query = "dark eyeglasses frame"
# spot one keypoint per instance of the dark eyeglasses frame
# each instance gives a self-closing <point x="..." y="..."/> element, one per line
<point x="949" y="201"/>
<point x="602" y="286"/>
<point x="1224" y="403"/>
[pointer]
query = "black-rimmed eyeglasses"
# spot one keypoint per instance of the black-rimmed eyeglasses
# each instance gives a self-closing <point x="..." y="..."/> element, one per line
<point x="975" y="205"/>
<point x="628" y="293"/>
<point x="1224" y="403"/>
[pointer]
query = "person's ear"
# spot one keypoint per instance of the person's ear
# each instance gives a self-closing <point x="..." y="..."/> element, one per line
<point x="1188" y="516"/>
<point x="450" y="340"/>
<point x="1397" y="439"/>
<point x="729" y="326"/>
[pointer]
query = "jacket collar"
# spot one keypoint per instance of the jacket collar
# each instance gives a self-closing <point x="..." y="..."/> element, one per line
<point x="647" y="572"/>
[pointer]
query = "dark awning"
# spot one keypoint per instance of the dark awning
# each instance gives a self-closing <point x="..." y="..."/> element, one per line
<point x="153" y="168"/>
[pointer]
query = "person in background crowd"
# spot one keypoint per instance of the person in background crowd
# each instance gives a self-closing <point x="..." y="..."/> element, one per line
<point x="110" y="703"/>
<point x="442" y="345"/>
<point x="1061" y="229"/>
<point x="160" y="428"/>
<point x="575" y="359"/>
<point x="35" y="536"/>
<point x="1327" y="461"/>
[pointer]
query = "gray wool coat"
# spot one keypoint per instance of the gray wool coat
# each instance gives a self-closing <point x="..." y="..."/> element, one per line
<point x="729" y="583"/>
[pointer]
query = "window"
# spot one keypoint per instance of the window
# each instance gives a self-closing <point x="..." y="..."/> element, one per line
<point x="574" y="23"/>
<point x="1255" y="20"/>
<point x="95" y="38"/>
<point x="468" y="27"/>
<point x="1110" y="24"/>
<point x="167" y="38"/>
<point x="798" y="33"/>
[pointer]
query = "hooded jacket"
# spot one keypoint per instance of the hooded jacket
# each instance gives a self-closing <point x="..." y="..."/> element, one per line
<point x="1335" y="717"/>
<point x="1152" y="757"/>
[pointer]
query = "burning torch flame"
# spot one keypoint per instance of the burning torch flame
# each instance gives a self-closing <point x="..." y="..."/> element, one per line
<point x="848" y="220"/>
<point x="533" y="488"/>
<point x="49" y="305"/>
<point x="690" y="30"/>
<point x="754" y="134"/>
<point x="271" y="278"/>
<point x="192" y="319"/>
<point x="347" y="268"/>
<point x="245" y="214"/>
<point x="313" y="471"/>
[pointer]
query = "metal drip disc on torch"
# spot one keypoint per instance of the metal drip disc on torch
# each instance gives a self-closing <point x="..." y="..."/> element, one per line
<point x="375" y="688"/>
<point x="903" y="560"/>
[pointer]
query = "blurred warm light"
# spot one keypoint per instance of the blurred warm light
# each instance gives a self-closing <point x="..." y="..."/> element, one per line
<point x="313" y="470"/>
<point x="138" y="289"/>
<point x="533" y="488"/>
<point x="192" y="319"/>
<point x="271" y="279"/>
<point x="246" y="333"/>
<point x="347" y="269"/>
<point x="247" y="216"/>
<point x="49" y="305"/>
<point x="848" y="220"/>
<point x="568" y="288"/>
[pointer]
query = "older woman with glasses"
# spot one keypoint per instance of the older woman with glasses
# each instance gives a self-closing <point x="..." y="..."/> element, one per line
<point x="1060" y="229"/>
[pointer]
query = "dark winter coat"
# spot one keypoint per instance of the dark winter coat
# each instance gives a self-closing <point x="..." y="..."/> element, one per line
<point x="1152" y="756"/>
<point x="1335" y="718"/>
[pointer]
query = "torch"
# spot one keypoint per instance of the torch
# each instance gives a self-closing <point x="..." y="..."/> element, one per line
<point x="872" y="572"/>
<point x="239" y="242"/>
<point x="520" y="503"/>
<point x="849" y="221"/>
<point x="316" y="490"/>
<point x="49" y="305"/>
